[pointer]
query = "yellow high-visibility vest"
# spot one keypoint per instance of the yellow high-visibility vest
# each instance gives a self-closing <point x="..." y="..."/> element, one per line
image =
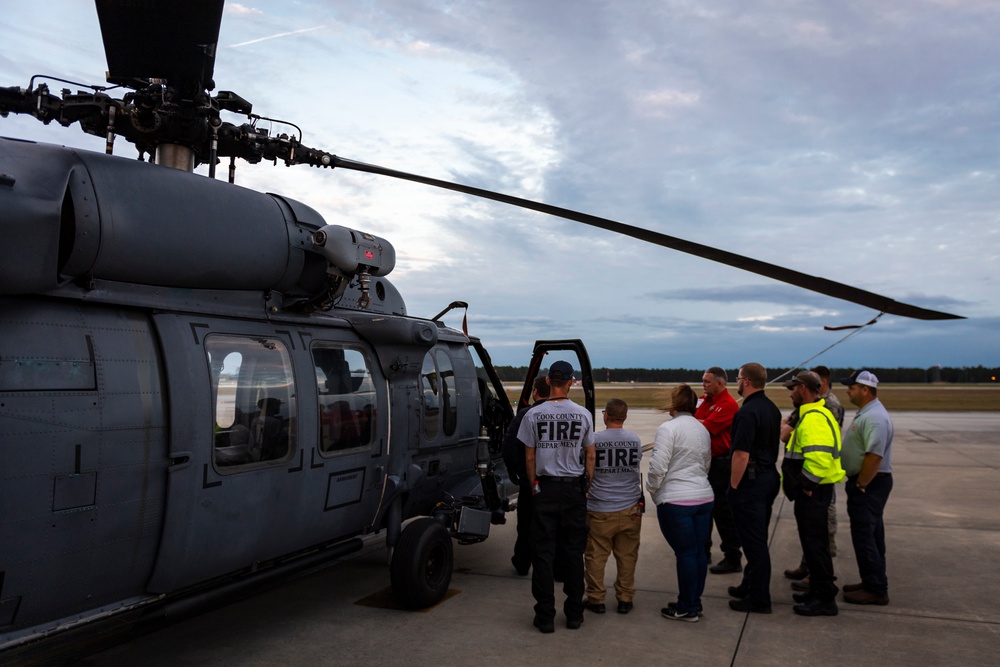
<point x="816" y="441"/>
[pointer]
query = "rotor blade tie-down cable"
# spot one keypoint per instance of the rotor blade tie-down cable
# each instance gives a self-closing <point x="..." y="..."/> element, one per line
<point x="857" y="328"/>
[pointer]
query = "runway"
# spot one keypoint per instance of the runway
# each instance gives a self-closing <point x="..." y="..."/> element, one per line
<point x="942" y="534"/>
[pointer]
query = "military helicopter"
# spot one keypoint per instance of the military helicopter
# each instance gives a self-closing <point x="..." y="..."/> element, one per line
<point x="205" y="387"/>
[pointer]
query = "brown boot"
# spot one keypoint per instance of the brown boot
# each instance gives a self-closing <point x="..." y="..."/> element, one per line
<point x="864" y="597"/>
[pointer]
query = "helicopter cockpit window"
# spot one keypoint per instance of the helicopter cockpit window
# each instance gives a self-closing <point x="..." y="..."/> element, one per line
<point x="430" y="387"/>
<point x="437" y="384"/>
<point x="449" y="406"/>
<point x="494" y="414"/>
<point x="485" y="384"/>
<point x="254" y="395"/>
<point x="346" y="395"/>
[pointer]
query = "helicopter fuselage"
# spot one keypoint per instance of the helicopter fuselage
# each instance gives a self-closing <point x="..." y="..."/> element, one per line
<point x="196" y="386"/>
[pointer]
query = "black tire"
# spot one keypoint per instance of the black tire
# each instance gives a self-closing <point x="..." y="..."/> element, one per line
<point x="422" y="563"/>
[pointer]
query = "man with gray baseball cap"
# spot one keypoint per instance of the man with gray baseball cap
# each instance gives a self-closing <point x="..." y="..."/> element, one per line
<point x="867" y="459"/>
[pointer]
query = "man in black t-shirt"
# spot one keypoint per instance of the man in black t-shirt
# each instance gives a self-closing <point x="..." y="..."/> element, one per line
<point x="754" y="486"/>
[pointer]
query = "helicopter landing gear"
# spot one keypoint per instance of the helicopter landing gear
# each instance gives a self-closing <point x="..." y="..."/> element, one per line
<point x="422" y="563"/>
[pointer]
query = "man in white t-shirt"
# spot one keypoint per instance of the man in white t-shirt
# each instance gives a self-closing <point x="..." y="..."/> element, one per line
<point x="558" y="436"/>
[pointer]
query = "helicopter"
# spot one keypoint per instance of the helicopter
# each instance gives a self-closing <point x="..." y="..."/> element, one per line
<point x="204" y="387"/>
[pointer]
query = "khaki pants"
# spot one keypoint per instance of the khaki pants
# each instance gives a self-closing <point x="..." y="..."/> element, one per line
<point x="607" y="533"/>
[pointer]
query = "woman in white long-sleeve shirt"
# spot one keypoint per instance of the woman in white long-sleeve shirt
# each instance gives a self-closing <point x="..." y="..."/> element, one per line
<point x="678" y="484"/>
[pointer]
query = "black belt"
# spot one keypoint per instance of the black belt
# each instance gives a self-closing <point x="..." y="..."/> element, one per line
<point x="883" y="474"/>
<point x="563" y="480"/>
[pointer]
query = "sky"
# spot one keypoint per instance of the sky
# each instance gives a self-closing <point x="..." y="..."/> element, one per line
<point x="857" y="140"/>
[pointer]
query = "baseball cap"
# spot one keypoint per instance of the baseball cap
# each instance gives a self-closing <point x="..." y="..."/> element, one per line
<point x="866" y="378"/>
<point x="560" y="371"/>
<point x="807" y="378"/>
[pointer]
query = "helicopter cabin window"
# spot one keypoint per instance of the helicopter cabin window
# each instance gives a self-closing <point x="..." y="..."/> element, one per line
<point x="437" y="383"/>
<point x="346" y="395"/>
<point x="254" y="394"/>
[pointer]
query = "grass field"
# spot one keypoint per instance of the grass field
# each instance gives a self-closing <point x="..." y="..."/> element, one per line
<point x="935" y="398"/>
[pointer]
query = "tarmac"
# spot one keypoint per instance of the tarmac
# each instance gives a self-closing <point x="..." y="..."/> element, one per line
<point x="943" y="542"/>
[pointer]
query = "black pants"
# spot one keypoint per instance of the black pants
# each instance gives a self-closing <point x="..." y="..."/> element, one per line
<point x="751" y="503"/>
<point x="525" y="514"/>
<point x="722" y="513"/>
<point x="868" y="530"/>
<point x="560" y="525"/>
<point x="811" y="519"/>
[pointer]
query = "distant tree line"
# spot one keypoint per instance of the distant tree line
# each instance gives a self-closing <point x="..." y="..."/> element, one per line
<point x="903" y="375"/>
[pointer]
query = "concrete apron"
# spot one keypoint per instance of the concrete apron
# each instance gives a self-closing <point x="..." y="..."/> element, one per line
<point x="942" y="534"/>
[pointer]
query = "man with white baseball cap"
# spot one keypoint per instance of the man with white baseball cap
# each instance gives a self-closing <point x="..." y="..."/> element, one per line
<point x="867" y="459"/>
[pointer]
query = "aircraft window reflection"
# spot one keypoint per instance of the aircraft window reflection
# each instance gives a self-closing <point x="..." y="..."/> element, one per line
<point x="449" y="405"/>
<point x="254" y="399"/>
<point x="346" y="396"/>
<point x="225" y="405"/>
<point x="430" y="389"/>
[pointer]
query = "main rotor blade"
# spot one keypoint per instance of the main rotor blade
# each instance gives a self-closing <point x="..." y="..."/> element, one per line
<point x="161" y="39"/>
<point x="822" y="285"/>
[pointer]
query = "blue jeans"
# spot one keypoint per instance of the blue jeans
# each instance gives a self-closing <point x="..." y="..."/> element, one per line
<point x="686" y="528"/>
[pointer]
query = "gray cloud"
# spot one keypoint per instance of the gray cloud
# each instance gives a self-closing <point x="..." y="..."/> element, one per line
<point x="852" y="140"/>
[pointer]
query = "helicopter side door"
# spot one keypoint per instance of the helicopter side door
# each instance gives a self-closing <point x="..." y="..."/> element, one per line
<point x="572" y="351"/>
<point x="277" y="442"/>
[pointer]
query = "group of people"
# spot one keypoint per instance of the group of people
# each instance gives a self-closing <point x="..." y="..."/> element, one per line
<point x="581" y="494"/>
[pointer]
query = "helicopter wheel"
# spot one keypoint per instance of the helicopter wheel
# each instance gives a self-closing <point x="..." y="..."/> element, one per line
<point x="422" y="563"/>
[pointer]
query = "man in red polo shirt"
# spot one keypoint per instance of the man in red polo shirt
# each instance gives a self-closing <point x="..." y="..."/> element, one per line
<point x="716" y="410"/>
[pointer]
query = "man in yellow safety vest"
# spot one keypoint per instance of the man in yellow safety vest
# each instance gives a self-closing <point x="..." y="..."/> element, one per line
<point x="810" y="469"/>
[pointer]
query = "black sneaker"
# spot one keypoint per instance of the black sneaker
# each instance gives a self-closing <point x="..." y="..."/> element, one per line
<point x="737" y="592"/>
<point x="574" y="623"/>
<point x="675" y="615"/>
<point x="673" y="605"/>
<point x="596" y="607"/>
<point x="748" y="606"/>
<point x="726" y="566"/>
<point x="624" y="607"/>
<point x="802" y="597"/>
<point x="544" y="626"/>
<point x="816" y="608"/>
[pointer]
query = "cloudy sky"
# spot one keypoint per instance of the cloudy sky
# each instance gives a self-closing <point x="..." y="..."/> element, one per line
<point x="856" y="140"/>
